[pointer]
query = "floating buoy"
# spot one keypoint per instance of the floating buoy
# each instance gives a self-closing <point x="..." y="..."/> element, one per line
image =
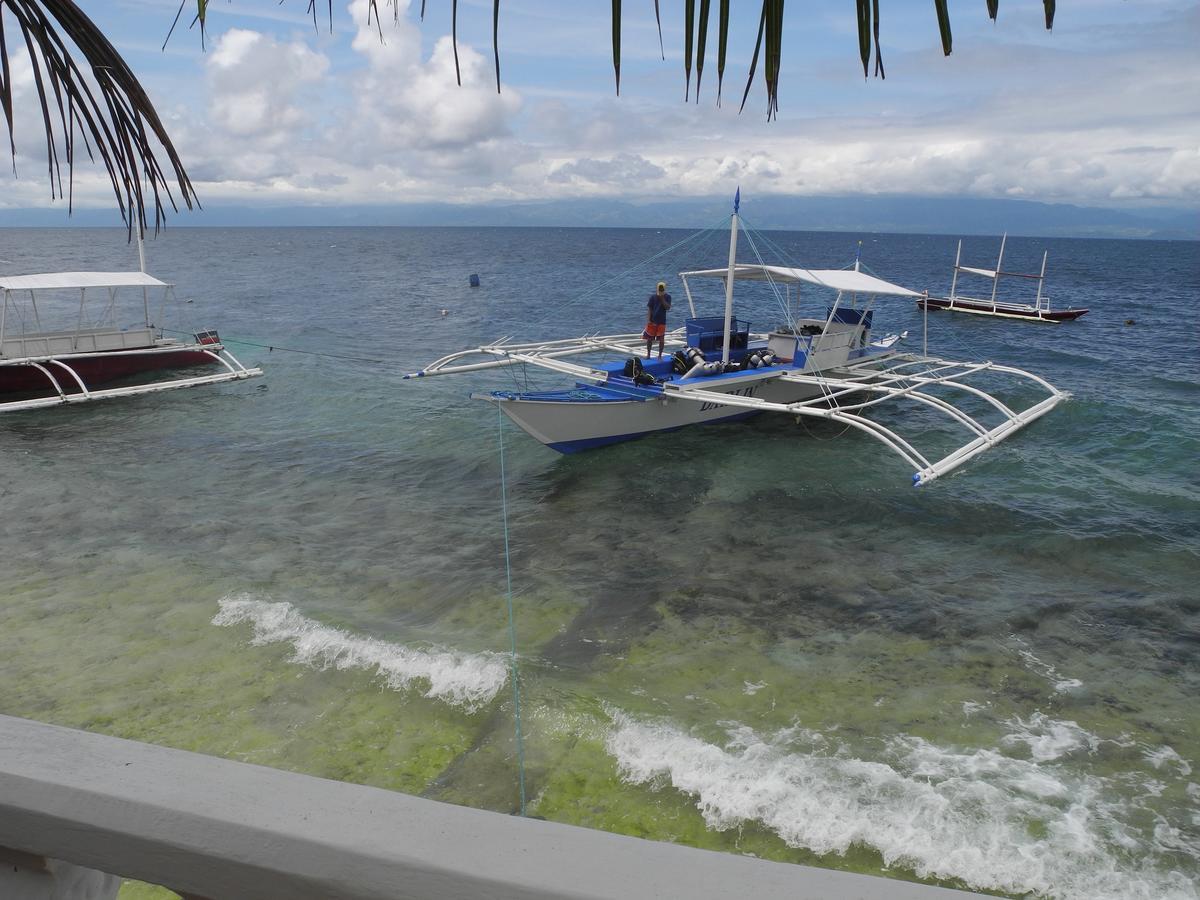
<point x="474" y="279"/>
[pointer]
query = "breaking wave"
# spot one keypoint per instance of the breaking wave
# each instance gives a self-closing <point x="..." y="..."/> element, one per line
<point x="466" y="680"/>
<point x="997" y="823"/>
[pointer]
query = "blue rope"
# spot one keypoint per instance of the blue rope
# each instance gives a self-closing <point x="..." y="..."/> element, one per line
<point x="512" y="628"/>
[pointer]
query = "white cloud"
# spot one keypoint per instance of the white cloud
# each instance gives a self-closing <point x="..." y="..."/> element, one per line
<point x="255" y="82"/>
<point x="1093" y="113"/>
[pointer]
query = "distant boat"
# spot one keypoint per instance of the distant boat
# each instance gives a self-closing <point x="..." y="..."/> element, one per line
<point x="1039" y="311"/>
<point x="56" y="346"/>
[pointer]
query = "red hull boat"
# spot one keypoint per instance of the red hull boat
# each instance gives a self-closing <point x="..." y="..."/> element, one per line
<point x="47" y="367"/>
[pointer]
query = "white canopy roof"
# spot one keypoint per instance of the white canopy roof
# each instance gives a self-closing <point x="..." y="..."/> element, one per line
<point x="835" y="279"/>
<point x="78" y="280"/>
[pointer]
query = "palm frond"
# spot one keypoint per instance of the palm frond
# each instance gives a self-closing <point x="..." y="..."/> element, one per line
<point x="616" y="39"/>
<point x="864" y="33"/>
<point x="1049" y="5"/>
<point x="879" y="73"/>
<point x="495" y="36"/>
<point x="689" y="29"/>
<point x="454" y="39"/>
<point x="993" y="7"/>
<point x="943" y="17"/>
<point x="771" y="61"/>
<point x="762" y="22"/>
<point x="701" y="41"/>
<point x="102" y="102"/>
<point x="658" y="19"/>
<point x="722" y="44"/>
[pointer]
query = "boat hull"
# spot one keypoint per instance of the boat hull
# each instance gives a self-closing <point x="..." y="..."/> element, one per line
<point x="96" y="369"/>
<point x="1000" y="310"/>
<point x="590" y="417"/>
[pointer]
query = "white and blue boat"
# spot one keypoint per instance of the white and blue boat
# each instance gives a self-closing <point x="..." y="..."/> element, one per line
<point x="824" y="367"/>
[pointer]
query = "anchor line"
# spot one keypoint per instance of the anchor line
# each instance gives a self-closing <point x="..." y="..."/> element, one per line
<point x="273" y="347"/>
<point x="512" y="629"/>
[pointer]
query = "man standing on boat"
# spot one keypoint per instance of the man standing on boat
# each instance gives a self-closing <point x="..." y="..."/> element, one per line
<point x="656" y="318"/>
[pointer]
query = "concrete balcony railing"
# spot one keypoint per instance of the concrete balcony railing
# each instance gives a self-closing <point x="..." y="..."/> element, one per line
<point x="213" y="828"/>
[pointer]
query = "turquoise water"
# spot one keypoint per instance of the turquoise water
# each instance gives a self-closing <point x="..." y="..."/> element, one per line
<point x="754" y="637"/>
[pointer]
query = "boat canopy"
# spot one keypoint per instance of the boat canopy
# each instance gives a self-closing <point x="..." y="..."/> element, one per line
<point x="59" y="280"/>
<point x="848" y="280"/>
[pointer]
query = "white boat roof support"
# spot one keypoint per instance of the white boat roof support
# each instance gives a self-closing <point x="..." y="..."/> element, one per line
<point x="848" y="280"/>
<point x="78" y="280"/>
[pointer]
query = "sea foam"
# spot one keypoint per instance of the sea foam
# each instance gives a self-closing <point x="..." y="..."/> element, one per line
<point x="466" y="680"/>
<point x="1049" y="738"/>
<point x="996" y="822"/>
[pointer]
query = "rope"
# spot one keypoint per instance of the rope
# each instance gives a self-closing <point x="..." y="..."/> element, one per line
<point x="273" y="347"/>
<point x="690" y="238"/>
<point x="512" y="629"/>
<point x="787" y="313"/>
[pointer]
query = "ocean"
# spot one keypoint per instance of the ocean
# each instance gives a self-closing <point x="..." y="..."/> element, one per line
<point x="754" y="637"/>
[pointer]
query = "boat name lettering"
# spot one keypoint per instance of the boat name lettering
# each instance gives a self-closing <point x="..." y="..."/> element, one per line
<point x="740" y="392"/>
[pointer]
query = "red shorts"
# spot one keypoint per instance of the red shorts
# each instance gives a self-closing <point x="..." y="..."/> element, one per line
<point x="652" y="331"/>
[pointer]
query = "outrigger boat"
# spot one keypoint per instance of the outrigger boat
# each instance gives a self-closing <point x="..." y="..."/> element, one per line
<point x="44" y="366"/>
<point x="1038" y="311"/>
<point x="825" y="367"/>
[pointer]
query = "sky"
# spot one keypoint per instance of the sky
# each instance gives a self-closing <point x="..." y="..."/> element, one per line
<point x="1103" y="111"/>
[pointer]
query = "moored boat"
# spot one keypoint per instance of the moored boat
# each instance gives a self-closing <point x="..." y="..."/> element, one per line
<point x="824" y="367"/>
<point x="58" y="342"/>
<point x="1038" y="311"/>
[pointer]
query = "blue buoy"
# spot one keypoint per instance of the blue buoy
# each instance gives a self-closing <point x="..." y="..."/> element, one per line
<point x="474" y="281"/>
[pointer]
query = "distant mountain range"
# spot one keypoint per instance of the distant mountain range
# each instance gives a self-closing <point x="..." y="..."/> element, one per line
<point x="911" y="215"/>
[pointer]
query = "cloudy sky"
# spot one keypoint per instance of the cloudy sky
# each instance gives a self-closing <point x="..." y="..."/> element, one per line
<point x="1104" y="110"/>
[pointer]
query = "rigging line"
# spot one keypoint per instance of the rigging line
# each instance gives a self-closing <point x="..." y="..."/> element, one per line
<point x="771" y="281"/>
<point x="512" y="629"/>
<point x="826" y="392"/>
<point x="751" y="232"/>
<point x="273" y="347"/>
<point x="691" y="237"/>
<point x="770" y="244"/>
